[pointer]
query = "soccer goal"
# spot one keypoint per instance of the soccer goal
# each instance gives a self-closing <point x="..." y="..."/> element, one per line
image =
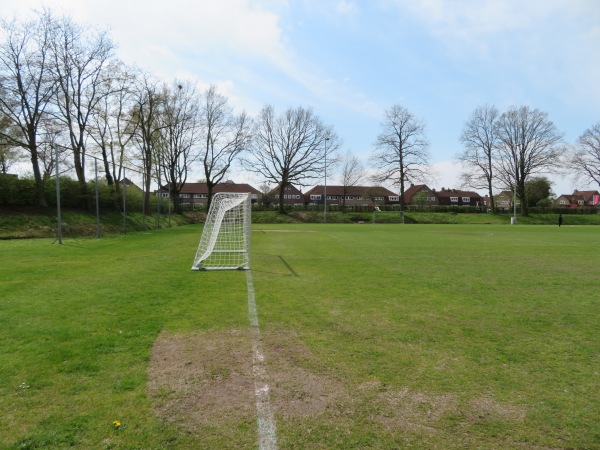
<point x="225" y="241"/>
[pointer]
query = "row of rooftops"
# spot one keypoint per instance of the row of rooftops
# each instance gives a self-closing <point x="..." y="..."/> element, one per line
<point x="414" y="194"/>
<point x="374" y="194"/>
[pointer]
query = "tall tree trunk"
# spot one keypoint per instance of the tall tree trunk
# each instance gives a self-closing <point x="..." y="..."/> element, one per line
<point x="281" y="208"/>
<point x="37" y="176"/>
<point x="209" y="187"/>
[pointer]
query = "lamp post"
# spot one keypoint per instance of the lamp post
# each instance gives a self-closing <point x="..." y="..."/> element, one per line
<point x="514" y="219"/>
<point x="325" y="190"/>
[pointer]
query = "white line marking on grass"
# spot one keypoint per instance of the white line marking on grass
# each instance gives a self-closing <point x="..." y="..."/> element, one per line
<point x="267" y="439"/>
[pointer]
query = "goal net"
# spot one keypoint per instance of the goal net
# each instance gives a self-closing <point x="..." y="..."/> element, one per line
<point x="225" y="241"/>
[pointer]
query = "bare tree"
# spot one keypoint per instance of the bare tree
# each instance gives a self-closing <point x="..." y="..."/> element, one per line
<point x="146" y="130"/>
<point x="8" y="153"/>
<point x="6" y="158"/>
<point x="480" y="140"/>
<point x="180" y="127"/>
<point x="266" y="194"/>
<point x="26" y="87"/>
<point x="402" y="150"/>
<point x="112" y="126"/>
<point x="80" y="57"/>
<point x="290" y="148"/>
<point x="225" y="137"/>
<point x="51" y="148"/>
<point x="352" y="173"/>
<point x="529" y="144"/>
<point x="586" y="159"/>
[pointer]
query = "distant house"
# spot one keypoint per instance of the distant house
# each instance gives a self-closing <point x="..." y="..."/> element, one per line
<point x="291" y="196"/>
<point x="352" y="196"/>
<point x="457" y="197"/>
<point x="502" y="201"/>
<point x="195" y="195"/>
<point x="578" y="199"/>
<point x="420" y="194"/>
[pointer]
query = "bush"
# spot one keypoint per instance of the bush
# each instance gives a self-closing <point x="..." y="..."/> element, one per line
<point x="16" y="191"/>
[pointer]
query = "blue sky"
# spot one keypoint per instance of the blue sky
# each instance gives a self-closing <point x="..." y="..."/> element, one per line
<point x="351" y="60"/>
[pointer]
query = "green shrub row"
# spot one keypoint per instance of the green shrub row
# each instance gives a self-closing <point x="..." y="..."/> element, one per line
<point x="20" y="192"/>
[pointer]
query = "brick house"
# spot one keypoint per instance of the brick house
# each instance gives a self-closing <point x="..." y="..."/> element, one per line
<point x="456" y="197"/>
<point x="352" y="196"/>
<point x="420" y="194"/>
<point x="195" y="195"/>
<point x="291" y="196"/>
<point x="587" y="199"/>
<point x="502" y="201"/>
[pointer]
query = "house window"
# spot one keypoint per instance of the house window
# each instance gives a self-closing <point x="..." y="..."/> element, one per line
<point x="378" y="199"/>
<point x="165" y="195"/>
<point x="297" y="197"/>
<point x="315" y="197"/>
<point x="466" y="199"/>
<point x="394" y="198"/>
<point x="332" y="197"/>
<point x="185" y="195"/>
<point x="580" y="202"/>
<point x="563" y="202"/>
<point x="454" y="199"/>
<point x="431" y="199"/>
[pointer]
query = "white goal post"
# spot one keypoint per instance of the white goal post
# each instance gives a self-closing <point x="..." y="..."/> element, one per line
<point x="225" y="241"/>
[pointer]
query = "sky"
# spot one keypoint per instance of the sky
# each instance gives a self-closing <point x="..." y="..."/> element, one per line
<point x="351" y="60"/>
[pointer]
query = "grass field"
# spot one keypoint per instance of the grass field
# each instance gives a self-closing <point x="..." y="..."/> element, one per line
<point x="375" y="336"/>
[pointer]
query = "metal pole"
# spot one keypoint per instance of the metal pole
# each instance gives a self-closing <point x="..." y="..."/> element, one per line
<point x="515" y="204"/>
<point x="97" y="201"/>
<point x="325" y="191"/>
<point x="158" y="199"/>
<point x="59" y="226"/>
<point x="144" y="202"/>
<point x="124" y="203"/>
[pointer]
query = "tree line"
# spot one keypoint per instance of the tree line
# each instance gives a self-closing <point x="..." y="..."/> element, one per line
<point x="63" y="92"/>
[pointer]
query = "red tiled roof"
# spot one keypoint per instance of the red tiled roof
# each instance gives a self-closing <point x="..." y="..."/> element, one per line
<point x="201" y="188"/>
<point x="457" y="193"/>
<point x="351" y="190"/>
<point x="411" y="191"/>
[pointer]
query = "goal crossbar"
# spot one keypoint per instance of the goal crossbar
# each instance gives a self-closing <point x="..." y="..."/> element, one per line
<point x="225" y="240"/>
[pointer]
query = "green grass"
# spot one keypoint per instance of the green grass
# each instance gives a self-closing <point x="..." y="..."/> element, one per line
<point x="414" y="336"/>
<point x="42" y="222"/>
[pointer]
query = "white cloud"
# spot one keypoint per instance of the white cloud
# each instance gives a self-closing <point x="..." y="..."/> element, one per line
<point x="146" y="29"/>
<point x="346" y="7"/>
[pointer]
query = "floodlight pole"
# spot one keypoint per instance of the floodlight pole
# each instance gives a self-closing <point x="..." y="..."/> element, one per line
<point x="97" y="200"/>
<point x="325" y="190"/>
<point x="124" y="191"/>
<point x="515" y="204"/>
<point x="59" y="225"/>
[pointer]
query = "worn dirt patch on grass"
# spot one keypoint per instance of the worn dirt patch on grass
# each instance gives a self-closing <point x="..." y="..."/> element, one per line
<point x="206" y="379"/>
<point x="299" y="387"/>
<point x="484" y="408"/>
<point x="202" y="378"/>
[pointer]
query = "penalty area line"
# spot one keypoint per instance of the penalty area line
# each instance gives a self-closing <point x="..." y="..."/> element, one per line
<point x="267" y="438"/>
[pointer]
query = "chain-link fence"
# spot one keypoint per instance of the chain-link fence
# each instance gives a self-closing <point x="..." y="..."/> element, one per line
<point x="116" y="205"/>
